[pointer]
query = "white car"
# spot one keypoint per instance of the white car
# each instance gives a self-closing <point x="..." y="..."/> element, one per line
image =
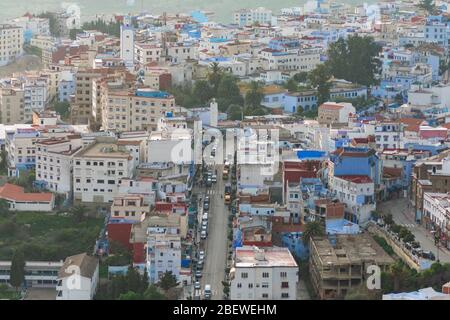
<point x="205" y="224"/>
<point x="203" y="235"/>
<point x="201" y="255"/>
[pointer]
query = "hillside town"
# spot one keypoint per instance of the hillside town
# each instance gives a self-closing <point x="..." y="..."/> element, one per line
<point x="292" y="155"/>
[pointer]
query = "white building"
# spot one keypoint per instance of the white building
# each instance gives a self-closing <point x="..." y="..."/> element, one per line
<point x="98" y="170"/>
<point x="263" y="274"/>
<point x="163" y="252"/>
<point x="358" y="194"/>
<point x="78" y="278"/>
<point x="247" y="17"/>
<point x="54" y="162"/>
<point x="11" y="43"/>
<point x="21" y="148"/>
<point x="127" y="42"/>
<point x="388" y="135"/>
<point x="32" y="25"/>
<point x="436" y="206"/>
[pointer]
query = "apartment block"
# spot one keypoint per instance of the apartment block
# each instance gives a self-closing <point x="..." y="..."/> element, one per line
<point x="98" y="169"/>
<point x="263" y="274"/>
<point x="11" y="43"/>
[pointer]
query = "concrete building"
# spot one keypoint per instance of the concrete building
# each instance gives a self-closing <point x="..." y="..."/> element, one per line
<point x="127" y="42"/>
<point x="38" y="274"/>
<point x="19" y="200"/>
<point x="130" y="207"/>
<point x="12" y="106"/>
<point x="263" y="274"/>
<point x="436" y="208"/>
<point x="21" y="148"/>
<point x="135" y="110"/>
<point x="245" y="17"/>
<point x="358" y="194"/>
<point x="163" y="252"/>
<point x="388" y="135"/>
<point x="11" y="43"/>
<point x="98" y="170"/>
<point x="78" y="278"/>
<point x="341" y="263"/>
<point x="332" y="113"/>
<point x="54" y="165"/>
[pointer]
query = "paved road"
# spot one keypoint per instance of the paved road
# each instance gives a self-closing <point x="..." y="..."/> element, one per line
<point x="403" y="215"/>
<point x="216" y="243"/>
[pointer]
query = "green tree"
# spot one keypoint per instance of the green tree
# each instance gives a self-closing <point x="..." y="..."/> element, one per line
<point x="168" y="281"/>
<point x="203" y="92"/>
<point x="134" y="280"/>
<point x="300" y="111"/>
<point x="17" y="276"/>
<point x="214" y="76"/>
<point x="228" y="92"/>
<point x="312" y="229"/>
<point x="152" y="293"/>
<point x="3" y="162"/>
<point x="355" y="59"/>
<point x="235" y="112"/>
<point x="301" y="76"/>
<point x="78" y="212"/>
<point x="319" y="79"/>
<point x="388" y="219"/>
<point x="130" y="295"/>
<point x="62" y="108"/>
<point x="4" y="207"/>
<point x="291" y="85"/>
<point x="427" y="5"/>
<point x="254" y="95"/>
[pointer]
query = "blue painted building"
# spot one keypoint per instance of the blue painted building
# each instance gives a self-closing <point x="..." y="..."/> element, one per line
<point x="356" y="161"/>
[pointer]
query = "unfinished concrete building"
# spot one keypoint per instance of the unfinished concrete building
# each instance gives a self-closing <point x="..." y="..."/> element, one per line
<point x="339" y="263"/>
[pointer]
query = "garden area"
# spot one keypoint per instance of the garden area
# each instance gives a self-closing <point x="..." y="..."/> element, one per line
<point x="43" y="236"/>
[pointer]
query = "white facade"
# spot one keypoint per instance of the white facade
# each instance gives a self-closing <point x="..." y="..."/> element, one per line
<point x="388" y="135"/>
<point x="358" y="194"/>
<point x="98" y="170"/>
<point x="437" y="207"/>
<point x="54" y="163"/>
<point x="263" y="274"/>
<point x="11" y="43"/>
<point x="127" y="42"/>
<point x="163" y="252"/>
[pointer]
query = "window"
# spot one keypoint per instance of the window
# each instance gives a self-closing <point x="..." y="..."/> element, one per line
<point x="265" y="274"/>
<point x="244" y="275"/>
<point x="239" y="285"/>
<point x="284" y="284"/>
<point x="285" y="295"/>
<point x="265" y="296"/>
<point x="250" y="285"/>
<point x="283" y="274"/>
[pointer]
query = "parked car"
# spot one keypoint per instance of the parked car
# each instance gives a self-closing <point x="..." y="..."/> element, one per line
<point x="198" y="274"/>
<point x="207" y="291"/>
<point x="197" y="285"/>
<point x="428" y="255"/>
<point x="206" y="205"/>
<point x="203" y="235"/>
<point x="201" y="255"/>
<point x="214" y="178"/>
<point x="205" y="224"/>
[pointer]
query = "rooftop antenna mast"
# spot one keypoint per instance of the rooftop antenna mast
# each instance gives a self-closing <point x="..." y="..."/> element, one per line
<point x="164" y="36"/>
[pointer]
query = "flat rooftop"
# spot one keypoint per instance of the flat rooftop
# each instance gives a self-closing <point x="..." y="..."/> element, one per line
<point x="270" y="257"/>
<point x="103" y="150"/>
<point x="351" y="249"/>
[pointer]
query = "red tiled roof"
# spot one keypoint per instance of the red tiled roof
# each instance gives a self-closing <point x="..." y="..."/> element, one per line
<point x="355" y="178"/>
<point x="17" y="193"/>
<point x="330" y="106"/>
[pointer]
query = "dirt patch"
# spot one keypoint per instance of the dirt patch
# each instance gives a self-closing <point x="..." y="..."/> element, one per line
<point x="24" y="63"/>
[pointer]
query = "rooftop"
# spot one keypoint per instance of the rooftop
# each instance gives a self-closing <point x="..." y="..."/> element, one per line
<point x="266" y="258"/>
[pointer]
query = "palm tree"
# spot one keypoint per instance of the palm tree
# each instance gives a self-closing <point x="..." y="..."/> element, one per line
<point x="312" y="229"/>
<point x="214" y="76"/>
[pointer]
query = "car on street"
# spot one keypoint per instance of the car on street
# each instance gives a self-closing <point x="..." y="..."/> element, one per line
<point x="205" y="216"/>
<point x="200" y="264"/>
<point x="203" y="235"/>
<point x="214" y="178"/>
<point x="201" y="255"/>
<point x="207" y="291"/>
<point x="198" y="274"/>
<point x="197" y="285"/>
<point x="206" y="205"/>
<point x="428" y="255"/>
<point x="204" y="224"/>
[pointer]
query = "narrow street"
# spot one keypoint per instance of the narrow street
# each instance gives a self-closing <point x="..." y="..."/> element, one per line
<point x="216" y="243"/>
<point x="403" y="215"/>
